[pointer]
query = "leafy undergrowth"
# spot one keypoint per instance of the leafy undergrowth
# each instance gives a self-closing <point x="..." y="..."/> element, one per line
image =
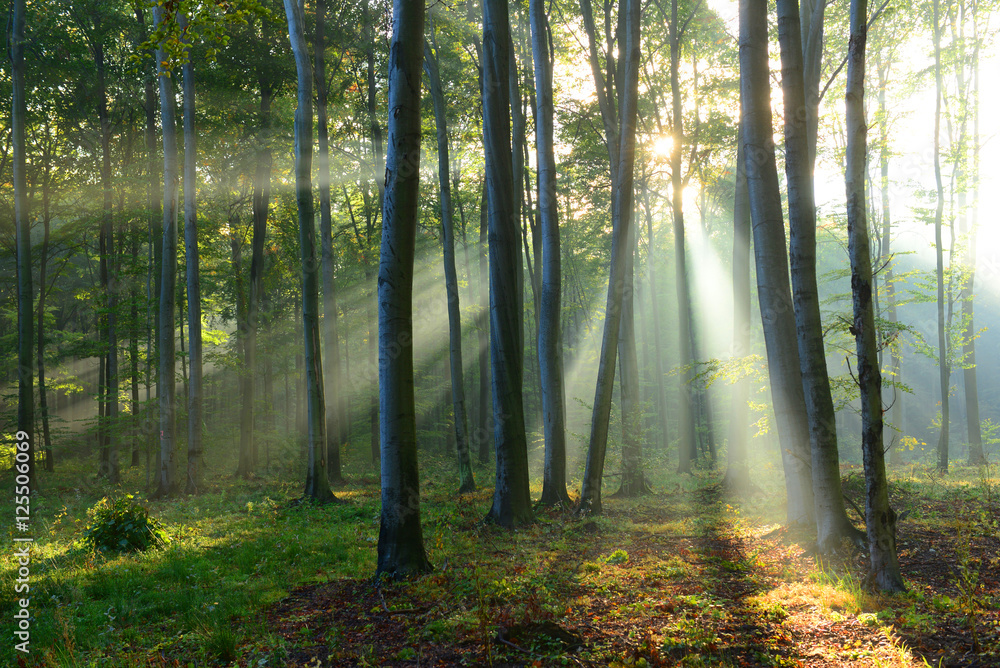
<point x="682" y="577"/>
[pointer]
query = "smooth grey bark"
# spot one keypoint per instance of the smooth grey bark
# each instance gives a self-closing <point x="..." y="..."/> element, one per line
<point x="687" y="445"/>
<point x="832" y="523"/>
<point x="467" y="482"/>
<point x="400" y="540"/>
<point x="195" y="397"/>
<point x="619" y="134"/>
<point x="22" y="223"/>
<point x="944" y="370"/>
<point x="738" y="470"/>
<point x="335" y="434"/>
<point x="511" y="497"/>
<point x="166" y="477"/>
<point x="550" y="354"/>
<point x="879" y="516"/>
<point x="317" y="487"/>
<point x="770" y="253"/>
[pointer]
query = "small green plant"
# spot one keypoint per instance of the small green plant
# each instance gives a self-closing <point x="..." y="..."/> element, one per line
<point x="617" y="557"/>
<point x="121" y="524"/>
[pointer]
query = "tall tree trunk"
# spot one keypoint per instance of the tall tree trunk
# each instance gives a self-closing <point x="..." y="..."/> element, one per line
<point x="109" y="392"/>
<point x="245" y="462"/>
<point x="378" y="171"/>
<point x="261" y="202"/>
<point x="166" y="478"/>
<point x="195" y="392"/>
<point x="976" y="455"/>
<point x="331" y="342"/>
<point x="155" y="228"/>
<point x="512" y="497"/>
<point x="483" y="332"/>
<point x="885" y="253"/>
<point x="317" y="487"/>
<point x="654" y="304"/>
<point x="879" y="516"/>
<point x="400" y="541"/>
<point x="944" y="366"/>
<point x="619" y="132"/>
<point x="831" y="515"/>
<point x="467" y="482"/>
<point x="133" y="354"/>
<point x="738" y="471"/>
<point x="633" y="479"/>
<point x="25" y="336"/>
<point x="687" y="446"/>
<point x="43" y="403"/>
<point x="770" y="253"/>
<point x="550" y="354"/>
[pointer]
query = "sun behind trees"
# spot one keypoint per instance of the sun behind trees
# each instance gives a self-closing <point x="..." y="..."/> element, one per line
<point x="535" y="233"/>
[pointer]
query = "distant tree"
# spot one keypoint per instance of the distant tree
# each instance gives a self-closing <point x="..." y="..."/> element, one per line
<point x="879" y="516"/>
<point x="944" y="367"/>
<point x="195" y="391"/>
<point x="400" y="540"/>
<point x="738" y="471"/>
<point x="467" y="482"/>
<point x="166" y="478"/>
<point x="25" y="333"/>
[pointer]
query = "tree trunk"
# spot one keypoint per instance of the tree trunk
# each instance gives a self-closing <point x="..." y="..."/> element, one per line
<point x="195" y="391"/>
<point x="483" y="333"/>
<point x="738" y="471"/>
<point x="885" y="253"/>
<point x="633" y="480"/>
<point x="832" y="523"/>
<point x="654" y="303"/>
<point x="879" y="516"/>
<point x="166" y="478"/>
<point x="976" y="455"/>
<point x="331" y="342"/>
<point x="400" y="541"/>
<point x="619" y="132"/>
<point x="687" y="445"/>
<point x="109" y="392"/>
<point x="245" y="463"/>
<point x="317" y="487"/>
<point x="378" y="171"/>
<point x="771" y="261"/>
<point x="512" y="497"/>
<point x="467" y="482"/>
<point x="43" y="404"/>
<point x="550" y="354"/>
<point x="943" y="361"/>
<point x="25" y="335"/>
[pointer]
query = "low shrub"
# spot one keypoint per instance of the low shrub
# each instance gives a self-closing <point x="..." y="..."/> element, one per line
<point x="121" y="524"/>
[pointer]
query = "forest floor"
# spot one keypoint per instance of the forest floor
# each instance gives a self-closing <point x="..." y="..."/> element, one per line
<point x="681" y="577"/>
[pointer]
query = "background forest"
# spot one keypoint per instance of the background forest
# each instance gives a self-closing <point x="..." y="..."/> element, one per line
<point x="180" y="120"/>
